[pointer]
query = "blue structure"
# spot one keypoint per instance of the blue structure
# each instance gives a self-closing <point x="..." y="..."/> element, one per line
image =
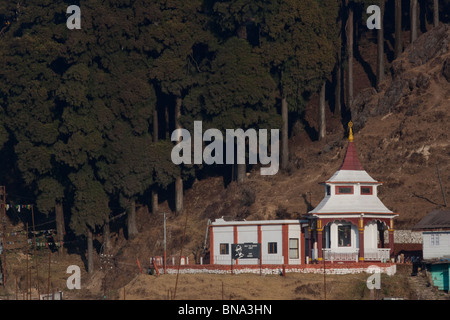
<point x="435" y="228"/>
<point x="439" y="274"/>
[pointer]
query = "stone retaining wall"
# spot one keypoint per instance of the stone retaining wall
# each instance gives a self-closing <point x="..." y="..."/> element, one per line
<point x="336" y="268"/>
<point x="404" y="236"/>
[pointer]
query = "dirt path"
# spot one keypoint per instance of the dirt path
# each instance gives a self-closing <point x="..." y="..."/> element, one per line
<point x="424" y="289"/>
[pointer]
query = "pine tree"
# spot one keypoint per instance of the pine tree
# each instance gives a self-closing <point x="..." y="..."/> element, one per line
<point x="29" y="79"/>
<point x="413" y="16"/>
<point x="123" y="101"/>
<point x="300" y="55"/>
<point x="330" y="12"/>
<point x="90" y="207"/>
<point x="237" y="92"/>
<point x="322" y="121"/>
<point x="87" y="101"/>
<point x="3" y="133"/>
<point x="398" y="28"/>
<point x="380" y="45"/>
<point x="349" y="37"/>
<point x="178" y="38"/>
<point x="435" y="13"/>
<point x="233" y="18"/>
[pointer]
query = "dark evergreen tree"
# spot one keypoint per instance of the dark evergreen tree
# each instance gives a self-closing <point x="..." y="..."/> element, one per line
<point x="300" y="55"/>
<point x="29" y="78"/>
<point x="179" y="38"/>
<point x="398" y="29"/>
<point x="237" y="92"/>
<point x="90" y="207"/>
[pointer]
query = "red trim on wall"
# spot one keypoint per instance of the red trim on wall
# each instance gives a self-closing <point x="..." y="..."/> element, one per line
<point x="259" y="232"/>
<point x="361" y="244"/>
<point x="235" y="240"/>
<point x="211" y="245"/>
<point x="391" y="235"/>
<point x="310" y="243"/>
<point x="319" y="244"/>
<point x="302" y="246"/>
<point x="285" y="242"/>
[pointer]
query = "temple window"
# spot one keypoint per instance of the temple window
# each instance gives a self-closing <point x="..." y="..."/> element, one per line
<point x="366" y="190"/>
<point x="344" y="190"/>
<point x="344" y="235"/>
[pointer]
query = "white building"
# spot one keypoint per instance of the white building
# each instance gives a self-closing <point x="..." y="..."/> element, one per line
<point x="347" y="225"/>
<point x="349" y="222"/>
<point x="280" y="241"/>
<point x="435" y="227"/>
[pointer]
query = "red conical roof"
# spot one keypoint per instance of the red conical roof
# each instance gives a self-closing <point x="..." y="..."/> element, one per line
<point x="351" y="161"/>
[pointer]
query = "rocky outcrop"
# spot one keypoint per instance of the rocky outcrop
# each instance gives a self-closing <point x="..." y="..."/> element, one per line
<point x="425" y="61"/>
<point x="446" y="69"/>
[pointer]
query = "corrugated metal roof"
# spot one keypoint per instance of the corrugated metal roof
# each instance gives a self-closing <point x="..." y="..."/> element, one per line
<point x="436" y="219"/>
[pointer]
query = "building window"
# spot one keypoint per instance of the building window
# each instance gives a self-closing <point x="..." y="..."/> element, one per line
<point x="293" y="248"/>
<point x="224" y="248"/>
<point x="328" y="190"/>
<point x="344" y="190"/>
<point x="344" y="235"/>
<point x="435" y="239"/>
<point x="366" y="190"/>
<point x="272" y="247"/>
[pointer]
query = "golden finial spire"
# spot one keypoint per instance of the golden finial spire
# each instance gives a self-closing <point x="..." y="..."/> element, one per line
<point x="350" y="135"/>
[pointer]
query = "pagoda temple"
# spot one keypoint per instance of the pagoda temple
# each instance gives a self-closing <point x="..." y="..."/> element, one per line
<point x="349" y="223"/>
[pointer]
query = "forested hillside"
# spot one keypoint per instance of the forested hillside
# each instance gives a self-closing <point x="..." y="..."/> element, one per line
<point x="86" y="116"/>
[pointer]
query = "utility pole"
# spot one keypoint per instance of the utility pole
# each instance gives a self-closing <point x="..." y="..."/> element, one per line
<point x="324" y="278"/>
<point x="48" y="278"/>
<point x="3" y="207"/>
<point x="34" y="250"/>
<point x="27" y="273"/>
<point x="440" y="183"/>
<point x="165" y="244"/>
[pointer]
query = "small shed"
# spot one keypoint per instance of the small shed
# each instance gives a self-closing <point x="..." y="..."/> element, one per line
<point x="435" y="227"/>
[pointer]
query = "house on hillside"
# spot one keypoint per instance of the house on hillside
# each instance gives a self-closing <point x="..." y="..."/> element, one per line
<point x="435" y="228"/>
<point x="349" y="222"/>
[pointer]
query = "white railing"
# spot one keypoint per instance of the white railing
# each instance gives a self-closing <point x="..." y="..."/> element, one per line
<point x="369" y="255"/>
<point x="377" y="255"/>
<point x="222" y="259"/>
<point x="331" y="255"/>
